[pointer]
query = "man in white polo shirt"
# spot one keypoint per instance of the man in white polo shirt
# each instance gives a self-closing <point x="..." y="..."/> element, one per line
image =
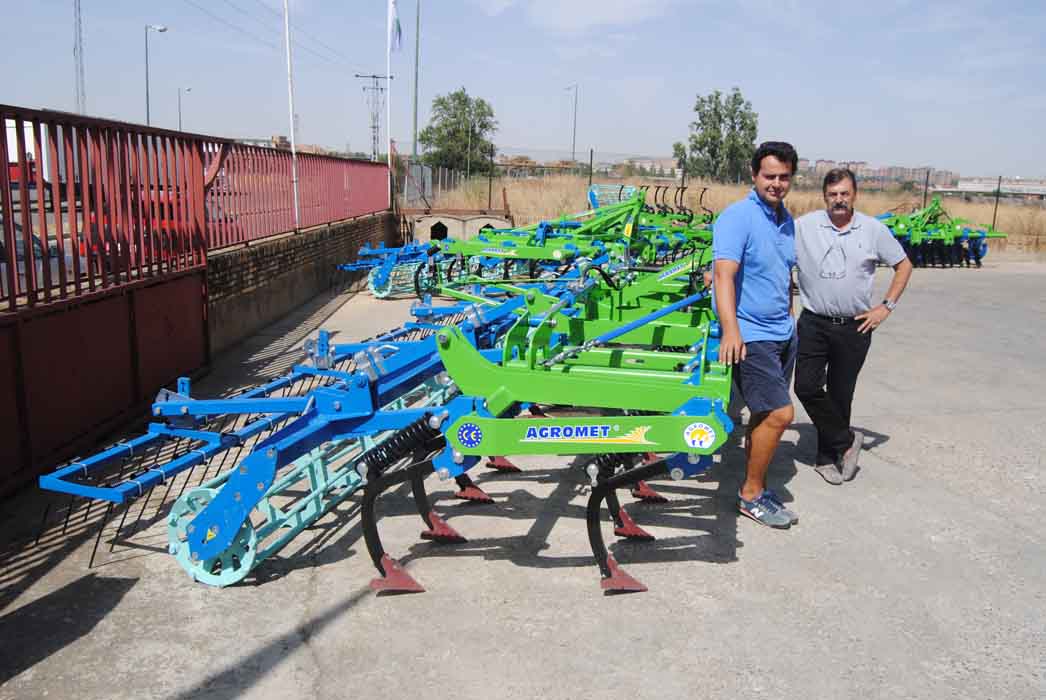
<point x="837" y="250"/>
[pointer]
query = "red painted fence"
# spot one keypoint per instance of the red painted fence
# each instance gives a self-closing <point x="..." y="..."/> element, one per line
<point x="105" y="229"/>
<point x="90" y="204"/>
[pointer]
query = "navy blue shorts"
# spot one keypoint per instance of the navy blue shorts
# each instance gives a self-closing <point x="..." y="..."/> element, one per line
<point x="764" y="376"/>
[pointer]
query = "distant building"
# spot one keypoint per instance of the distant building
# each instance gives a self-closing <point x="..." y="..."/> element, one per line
<point x="823" y="166"/>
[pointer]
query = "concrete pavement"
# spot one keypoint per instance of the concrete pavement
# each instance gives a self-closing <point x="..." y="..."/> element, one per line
<point x="923" y="578"/>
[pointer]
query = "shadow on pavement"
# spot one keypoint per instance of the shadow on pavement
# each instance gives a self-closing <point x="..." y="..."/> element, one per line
<point x="805" y="449"/>
<point x="38" y="629"/>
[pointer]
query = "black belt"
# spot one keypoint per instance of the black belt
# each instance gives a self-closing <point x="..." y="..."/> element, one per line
<point x="834" y="320"/>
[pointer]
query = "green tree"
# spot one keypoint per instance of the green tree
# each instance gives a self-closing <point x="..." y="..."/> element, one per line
<point x="722" y="137"/>
<point x="741" y="125"/>
<point x="458" y="133"/>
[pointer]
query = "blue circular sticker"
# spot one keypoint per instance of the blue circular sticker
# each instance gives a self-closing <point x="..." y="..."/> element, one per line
<point x="470" y="435"/>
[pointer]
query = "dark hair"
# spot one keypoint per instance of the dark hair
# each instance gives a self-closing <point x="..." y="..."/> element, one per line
<point x="784" y="152"/>
<point x="838" y="175"/>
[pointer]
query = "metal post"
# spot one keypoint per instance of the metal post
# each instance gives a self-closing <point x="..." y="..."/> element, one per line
<point x="188" y="89"/>
<point x="490" y="179"/>
<point x="158" y="28"/>
<point x="573" y="139"/>
<point x="147" y="75"/>
<point x="998" y="189"/>
<point x="926" y="186"/>
<point x="417" y="54"/>
<point x="591" y="157"/>
<point x="290" y="107"/>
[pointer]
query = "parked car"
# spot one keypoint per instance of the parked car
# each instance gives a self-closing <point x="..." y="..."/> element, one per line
<point x="38" y="263"/>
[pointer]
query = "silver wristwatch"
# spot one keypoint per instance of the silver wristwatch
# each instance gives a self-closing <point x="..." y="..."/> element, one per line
<point x="890" y="305"/>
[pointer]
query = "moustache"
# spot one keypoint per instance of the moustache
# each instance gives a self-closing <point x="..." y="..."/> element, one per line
<point x="840" y="205"/>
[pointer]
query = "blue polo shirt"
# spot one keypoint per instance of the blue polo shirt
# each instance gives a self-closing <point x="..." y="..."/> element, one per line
<point x="750" y="233"/>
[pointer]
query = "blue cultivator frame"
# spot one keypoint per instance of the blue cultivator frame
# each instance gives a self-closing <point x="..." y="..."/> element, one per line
<point x="390" y="271"/>
<point x="311" y="424"/>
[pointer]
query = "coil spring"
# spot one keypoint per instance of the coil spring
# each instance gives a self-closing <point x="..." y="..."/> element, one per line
<point x="609" y="462"/>
<point x="405" y="441"/>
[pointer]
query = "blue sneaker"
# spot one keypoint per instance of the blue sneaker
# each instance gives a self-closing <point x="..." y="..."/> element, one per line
<point x="764" y="510"/>
<point x="792" y="515"/>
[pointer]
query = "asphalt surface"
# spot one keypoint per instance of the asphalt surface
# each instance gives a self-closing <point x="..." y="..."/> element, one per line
<point x="925" y="577"/>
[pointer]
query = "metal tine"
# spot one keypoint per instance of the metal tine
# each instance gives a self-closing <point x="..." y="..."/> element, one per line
<point x="68" y="513"/>
<point x="116" y="535"/>
<point x="98" y="539"/>
<point x="43" y="523"/>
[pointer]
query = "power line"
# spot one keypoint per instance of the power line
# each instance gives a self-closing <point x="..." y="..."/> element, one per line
<point x="334" y="51"/>
<point x="257" y="38"/>
<point x="235" y="27"/>
<point x="297" y="43"/>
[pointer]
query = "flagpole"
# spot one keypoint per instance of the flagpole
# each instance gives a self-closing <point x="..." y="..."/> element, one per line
<point x="388" y="93"/>
<point x="290" y="101"/>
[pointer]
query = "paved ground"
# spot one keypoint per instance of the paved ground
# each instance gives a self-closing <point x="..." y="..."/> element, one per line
<point x="923" y="578"/>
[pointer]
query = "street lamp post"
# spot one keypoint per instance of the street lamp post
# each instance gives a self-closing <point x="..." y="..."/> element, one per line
<point x="573" y="139"/>
<point x="188" y="89"/>
<point x="156" y="28"/>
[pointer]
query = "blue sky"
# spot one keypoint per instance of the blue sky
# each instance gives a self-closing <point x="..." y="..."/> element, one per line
<point x="958" y="85"/>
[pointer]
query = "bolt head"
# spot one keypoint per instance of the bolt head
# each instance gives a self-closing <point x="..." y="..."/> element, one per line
<point x="185" y="410"/>
<point x="261" y="485"/>
<point x="443" y="474"/>
<point x="457" y="457"/>
<point x="156" y="410"/>
<point x="271" y="453"/>
<point x="676" y="474"/>
<point x="693" y="459"/>
<point x="337" y="405"/>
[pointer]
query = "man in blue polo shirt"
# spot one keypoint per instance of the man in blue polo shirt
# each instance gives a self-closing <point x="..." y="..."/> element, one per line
<point x="753" y="243"/>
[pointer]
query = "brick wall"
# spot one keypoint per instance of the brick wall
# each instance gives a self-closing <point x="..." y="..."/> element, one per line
<point x="248" y="288"/>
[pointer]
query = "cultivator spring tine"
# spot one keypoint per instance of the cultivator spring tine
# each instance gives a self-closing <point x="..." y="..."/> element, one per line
<point x="643" y="492"/>
<point x="624" y="526"/>
<point x="503" y="465"/>
<point x="615" y="580"/>
<point x="468" y="491"/>
<point x="438" y="530"/>
<point x="393" y="579"/>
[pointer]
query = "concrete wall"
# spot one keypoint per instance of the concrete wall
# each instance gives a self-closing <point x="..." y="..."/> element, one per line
<point x="458" y="227"/>
<point x="251" y="287"/>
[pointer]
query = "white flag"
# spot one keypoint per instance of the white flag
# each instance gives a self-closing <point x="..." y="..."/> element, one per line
<point x="395" y="31"/>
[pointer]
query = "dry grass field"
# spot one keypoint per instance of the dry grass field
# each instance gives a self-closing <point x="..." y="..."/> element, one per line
<point x="534" y="199"/>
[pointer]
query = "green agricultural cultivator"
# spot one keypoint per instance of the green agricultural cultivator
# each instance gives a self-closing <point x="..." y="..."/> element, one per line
<point x="620" y="228"/>
<point x="931" y="237"/>
<point x="613" y="360"/>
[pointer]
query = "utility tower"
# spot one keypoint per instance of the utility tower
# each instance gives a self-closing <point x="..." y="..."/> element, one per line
<point x="375" y="96"/>
<point x="78" y="59"/>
